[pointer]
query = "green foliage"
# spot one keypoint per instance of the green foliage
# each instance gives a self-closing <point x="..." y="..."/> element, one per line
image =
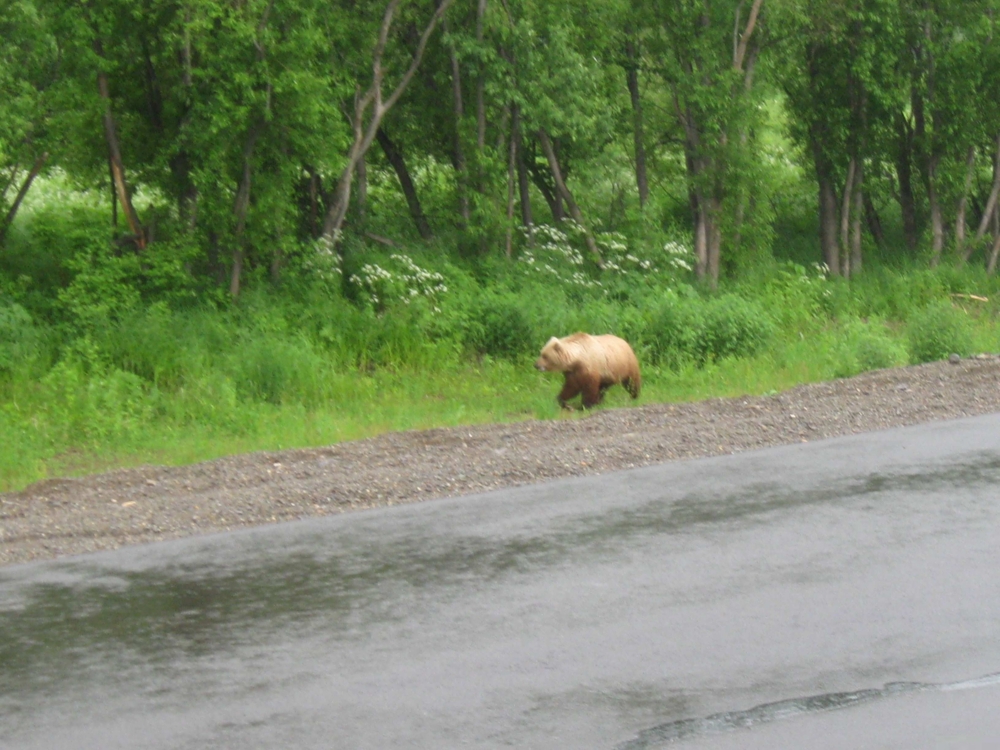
<point x="397" y="281"/>
<point x="692" y="329"/>
<point x="499" y="327"/>
<point x="93" y="407"/>
<point x="19" y="338"/>
<point x="675" y="331"/>
<point x="233" y="137"/>
<point x="866" y="346"/>
<point x="795" y="296"/>
<point x="272" y="369"/>
<point x="937" y="331"/>
<point x="735" y="327"/>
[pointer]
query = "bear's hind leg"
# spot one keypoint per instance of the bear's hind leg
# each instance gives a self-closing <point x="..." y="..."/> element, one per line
<point x="632" y="386"/>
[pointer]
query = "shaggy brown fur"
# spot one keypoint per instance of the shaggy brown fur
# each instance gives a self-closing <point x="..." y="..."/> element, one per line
<point x="591" y="364"/>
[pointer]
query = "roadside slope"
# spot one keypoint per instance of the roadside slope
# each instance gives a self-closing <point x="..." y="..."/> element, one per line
<point x="70" y="516"/>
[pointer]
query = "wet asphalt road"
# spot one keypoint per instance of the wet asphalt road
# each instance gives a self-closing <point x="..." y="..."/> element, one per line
<point x="836" y="594"/>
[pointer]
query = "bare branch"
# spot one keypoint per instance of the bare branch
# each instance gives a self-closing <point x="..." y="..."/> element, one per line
<point x="25" y="186"/>
<point x="741" y="50"/>
<point x="994" y="192"/>
<point x="383" y="31"/>
<point x="364" y="134"/>
<point x="736" y="29"/>
<point x="417" y="56"/>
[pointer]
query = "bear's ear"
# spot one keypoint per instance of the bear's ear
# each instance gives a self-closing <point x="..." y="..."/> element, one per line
<point x="556" y="344"/>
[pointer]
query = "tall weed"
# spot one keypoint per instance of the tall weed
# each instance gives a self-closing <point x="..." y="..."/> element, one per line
<point x="19" y="338"/>
<point x="864" y="346"/>
<point x="939" y="330"/>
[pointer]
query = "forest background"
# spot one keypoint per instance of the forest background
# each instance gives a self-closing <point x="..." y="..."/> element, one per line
<point x="230" y="225"/>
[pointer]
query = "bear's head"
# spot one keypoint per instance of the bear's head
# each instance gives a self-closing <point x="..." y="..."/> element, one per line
<point x="553" y="358"/>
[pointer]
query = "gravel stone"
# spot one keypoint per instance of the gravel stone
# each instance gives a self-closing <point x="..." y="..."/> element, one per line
<point x="59" y="517"/>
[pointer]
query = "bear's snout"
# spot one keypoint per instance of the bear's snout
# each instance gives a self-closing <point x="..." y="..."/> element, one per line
<point x="539" y="365"/>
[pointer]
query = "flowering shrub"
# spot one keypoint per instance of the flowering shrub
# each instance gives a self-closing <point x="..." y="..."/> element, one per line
<point x="555" y="252"/>
<point x="678" y="257"/>
<point x="551" y="252"/>
<point x="403" y="281"/>
<point x="326" y="262"/>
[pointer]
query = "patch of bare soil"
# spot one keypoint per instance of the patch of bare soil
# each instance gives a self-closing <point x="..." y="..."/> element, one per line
<point x="70" y="516"/>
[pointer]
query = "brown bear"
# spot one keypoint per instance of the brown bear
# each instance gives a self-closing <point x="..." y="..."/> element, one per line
<point x="591" y="364"/>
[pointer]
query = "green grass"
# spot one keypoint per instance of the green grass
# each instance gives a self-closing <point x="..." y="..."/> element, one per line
<point x="88" y="386"/>
<point x="65" y="436"/>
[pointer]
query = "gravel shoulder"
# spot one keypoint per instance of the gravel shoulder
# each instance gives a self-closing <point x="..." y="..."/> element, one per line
<point x="70" y="516"/>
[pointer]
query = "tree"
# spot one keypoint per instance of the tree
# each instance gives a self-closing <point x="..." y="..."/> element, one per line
<point x="370" y="108"/>
<point x="841" y="80"/>
<point x="27" y="58"/>
<point x="706" y="55"/>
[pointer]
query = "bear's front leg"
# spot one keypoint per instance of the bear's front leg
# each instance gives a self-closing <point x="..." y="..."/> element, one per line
<point x="592" y="393"/>
<point x="571" y="388"/>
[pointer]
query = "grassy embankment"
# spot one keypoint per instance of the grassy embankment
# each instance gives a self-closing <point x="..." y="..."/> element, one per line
<point x="110" y="360"/>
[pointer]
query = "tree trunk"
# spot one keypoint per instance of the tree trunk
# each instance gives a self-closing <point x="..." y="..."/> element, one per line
<point x="856" y="220"/>
<point x="960" y="228"/>
<point x="714" y="238"/>
<point x="114" y="201"/>
<point x="701" y="232"/>
<point x="873" y="221"/>
<point x="25" y="186"/>
<point x="276" y="263"/>
<point x="934" y="201"/>
<point x="827" y="211"/>
<point x="313" y="203"/>
<point x="395" y="158"/>
<point x="362" y="172"/>
<point x="561" y="189"/>
<point x="845" y="220"/>
<point x="458" y="154"/>
<point x="502" y="127"/>
<point x="994" y="252"/>
<point x="991" y="202"/>
<point x="364" y="134"/>
<point x="180" y="163"/>
<point x="515" y="126"/>
<point x="548" y="190"/>
<point x="904" y="173"/>
<point x="523" y="188"/>
<point x="240" y="208"/>
<point x="632" y="78"/>
<point x="117" y="167"/>
<point x="154" y="96"/>
<point x="480" y="85"/>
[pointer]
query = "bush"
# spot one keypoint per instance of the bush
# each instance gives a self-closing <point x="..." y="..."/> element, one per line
<point x="938" y="331"/>
<point x="674" y="331"/>
<point x="499" y="327"/>
<point x="694" y="329"/>
<point x="18" y="336"/>
<point x="151" y="343"/>
<point x="735" y="327"/>
<point x="91" y="406"/>
<point x="864" y="347"/>
<point x="274" y="369"/>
